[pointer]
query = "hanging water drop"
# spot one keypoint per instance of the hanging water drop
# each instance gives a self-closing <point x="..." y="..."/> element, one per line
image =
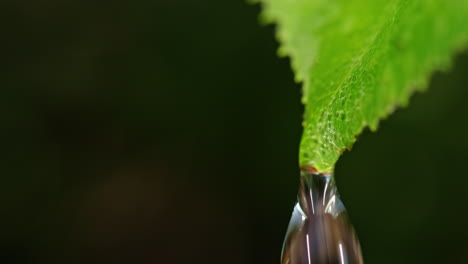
<point x="320" y="231"/>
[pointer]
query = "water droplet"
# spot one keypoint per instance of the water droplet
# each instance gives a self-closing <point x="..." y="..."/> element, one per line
<point x="320" y="231"/>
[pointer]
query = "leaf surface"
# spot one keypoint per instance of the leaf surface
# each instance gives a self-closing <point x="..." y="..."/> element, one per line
<point x="360" y="59"/>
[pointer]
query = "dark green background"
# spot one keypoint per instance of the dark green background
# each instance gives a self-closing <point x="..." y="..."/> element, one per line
<point x="167" y="131"/>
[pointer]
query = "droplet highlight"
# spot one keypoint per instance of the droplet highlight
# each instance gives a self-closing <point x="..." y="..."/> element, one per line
<point x="320" y="231"/>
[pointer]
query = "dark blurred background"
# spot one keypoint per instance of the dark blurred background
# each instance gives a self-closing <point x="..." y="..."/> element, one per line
<point x="167" y="131"/>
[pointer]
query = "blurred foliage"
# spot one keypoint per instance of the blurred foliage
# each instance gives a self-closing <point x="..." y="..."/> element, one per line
<point x="359" y="60"/>
<point x="168" y="131"/>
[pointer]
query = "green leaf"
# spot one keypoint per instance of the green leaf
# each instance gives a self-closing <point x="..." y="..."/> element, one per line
<point x="360" y="59"/>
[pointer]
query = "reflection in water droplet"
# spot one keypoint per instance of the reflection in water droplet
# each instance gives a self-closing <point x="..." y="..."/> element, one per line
<point x="319" y="231"/>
